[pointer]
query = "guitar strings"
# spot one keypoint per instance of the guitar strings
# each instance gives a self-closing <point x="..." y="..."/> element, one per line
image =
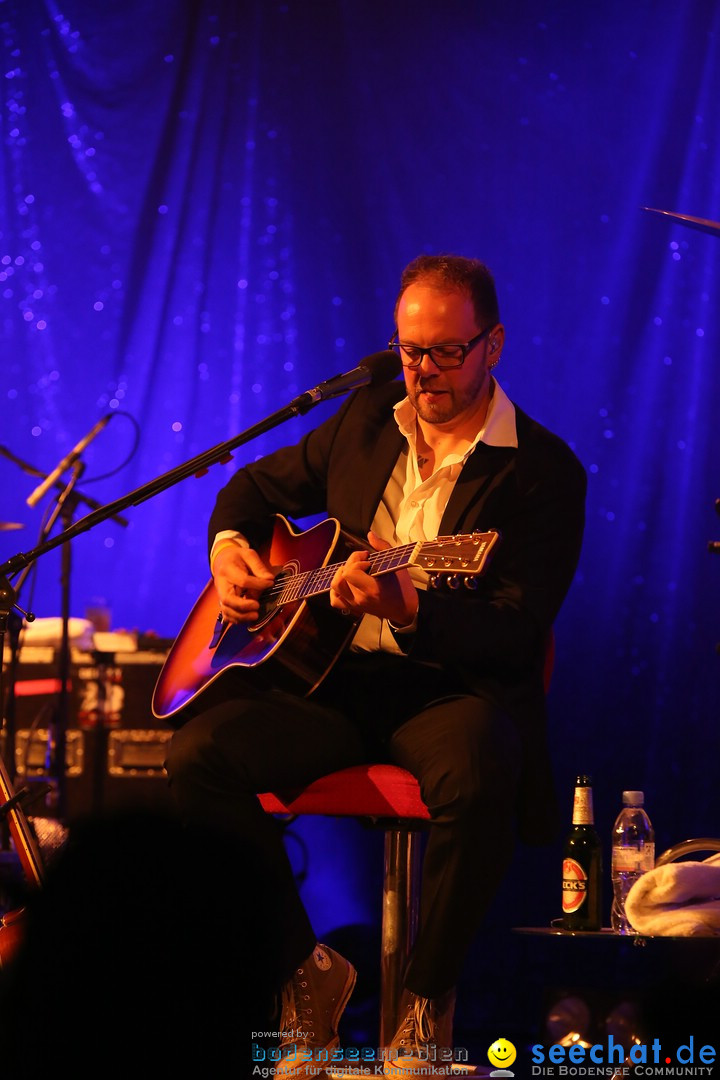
<point x="293" y="588"/>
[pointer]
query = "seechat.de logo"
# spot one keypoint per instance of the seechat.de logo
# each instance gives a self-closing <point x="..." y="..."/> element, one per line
<point x="651" y="1059"/>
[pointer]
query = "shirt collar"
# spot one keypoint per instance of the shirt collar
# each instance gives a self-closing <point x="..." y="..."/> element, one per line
<point x="498" y="429"/>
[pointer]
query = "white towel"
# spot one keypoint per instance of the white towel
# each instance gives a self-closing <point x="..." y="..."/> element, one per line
<point x="678" y="899"/>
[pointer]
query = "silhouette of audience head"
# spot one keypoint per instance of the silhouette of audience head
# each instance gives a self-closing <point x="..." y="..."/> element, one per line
<point x="146" y="946"/>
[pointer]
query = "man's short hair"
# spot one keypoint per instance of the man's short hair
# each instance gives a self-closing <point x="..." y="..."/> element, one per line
<point x="451" y="272"/>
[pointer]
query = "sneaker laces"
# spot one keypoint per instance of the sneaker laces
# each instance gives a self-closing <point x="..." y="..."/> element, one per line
<point x="418" y="1027"/>
<point x="291" y="1012"/>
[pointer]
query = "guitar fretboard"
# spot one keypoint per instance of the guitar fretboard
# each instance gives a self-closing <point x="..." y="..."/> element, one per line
<point x="314" y="582"/>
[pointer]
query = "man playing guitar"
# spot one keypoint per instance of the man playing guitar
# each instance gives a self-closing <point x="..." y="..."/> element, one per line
<point x="446" y="682"/>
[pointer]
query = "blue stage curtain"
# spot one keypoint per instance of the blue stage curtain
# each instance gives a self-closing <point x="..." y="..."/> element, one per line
<point x="205" y="210"/>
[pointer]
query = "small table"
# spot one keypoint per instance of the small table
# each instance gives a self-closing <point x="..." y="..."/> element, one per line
<point x="635" y="987"/>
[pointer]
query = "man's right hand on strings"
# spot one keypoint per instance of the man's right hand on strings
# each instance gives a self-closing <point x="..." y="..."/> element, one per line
<point x="240" y="575"/>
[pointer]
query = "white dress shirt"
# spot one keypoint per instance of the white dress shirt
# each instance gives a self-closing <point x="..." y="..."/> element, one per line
<point x="411" y="508"/>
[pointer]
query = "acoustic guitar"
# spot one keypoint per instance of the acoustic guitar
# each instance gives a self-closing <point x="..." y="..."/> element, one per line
<point x="12" y="923"/>
<point x="298" y="636"/>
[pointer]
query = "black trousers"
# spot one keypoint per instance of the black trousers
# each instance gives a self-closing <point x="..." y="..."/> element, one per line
<point x="463" y="750"/>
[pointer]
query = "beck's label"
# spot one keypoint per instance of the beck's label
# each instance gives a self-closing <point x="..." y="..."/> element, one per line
<point x="574" y="886"/>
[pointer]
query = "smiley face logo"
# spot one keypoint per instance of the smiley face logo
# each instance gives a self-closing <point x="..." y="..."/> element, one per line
<point x="502" y="1053"/>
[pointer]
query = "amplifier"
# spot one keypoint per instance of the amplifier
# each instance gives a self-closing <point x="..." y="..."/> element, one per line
<point x="114" y="747"/>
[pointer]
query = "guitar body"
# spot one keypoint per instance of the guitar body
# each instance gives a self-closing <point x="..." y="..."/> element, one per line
<point x="291" y="647"/>
<point x="12" y="935"/>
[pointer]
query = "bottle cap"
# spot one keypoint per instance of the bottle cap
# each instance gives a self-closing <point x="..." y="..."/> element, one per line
<point x="633" y="798"/>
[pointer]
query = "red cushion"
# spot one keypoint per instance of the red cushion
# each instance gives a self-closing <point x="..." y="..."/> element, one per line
<point x="360" y="791"/>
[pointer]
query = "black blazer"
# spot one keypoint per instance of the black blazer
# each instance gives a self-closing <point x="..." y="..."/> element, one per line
<point x="493" y="639"/>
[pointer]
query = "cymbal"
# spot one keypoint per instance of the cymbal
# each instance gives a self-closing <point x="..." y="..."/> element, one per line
<point x="701" y="224"/>
<point x="6" y="526"/>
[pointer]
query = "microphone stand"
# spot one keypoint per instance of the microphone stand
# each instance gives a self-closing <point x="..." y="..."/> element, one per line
<point x="196" y="466"/>
<point x="59" y="485"/>
<point x="12" y="623"/>
<point x="12" y="815"/>
<point x="66" y="505"/>
<point x="57" y="735"/>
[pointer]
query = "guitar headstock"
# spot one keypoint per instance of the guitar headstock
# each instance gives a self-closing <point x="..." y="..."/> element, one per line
<point x="462" y="556"/>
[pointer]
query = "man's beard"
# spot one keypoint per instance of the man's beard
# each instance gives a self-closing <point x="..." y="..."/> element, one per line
<point x="452" y="402"/>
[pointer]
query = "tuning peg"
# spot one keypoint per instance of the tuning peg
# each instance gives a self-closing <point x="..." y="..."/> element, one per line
<point x="470" y="582"/>
<point x="453" y="581"/>
<point x="434" y="581"/>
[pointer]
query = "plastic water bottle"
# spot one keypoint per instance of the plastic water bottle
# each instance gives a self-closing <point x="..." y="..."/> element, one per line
<point x="633" y="854"/>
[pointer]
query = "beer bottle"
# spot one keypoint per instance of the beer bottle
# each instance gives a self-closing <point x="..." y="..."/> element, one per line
<point x="582" y="865"/>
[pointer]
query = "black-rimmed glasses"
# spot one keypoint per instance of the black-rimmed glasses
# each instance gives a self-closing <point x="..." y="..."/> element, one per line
<point x="445" y="355"/>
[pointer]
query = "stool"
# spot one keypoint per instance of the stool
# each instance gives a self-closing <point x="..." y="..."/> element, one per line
<point x="389" y="797"/>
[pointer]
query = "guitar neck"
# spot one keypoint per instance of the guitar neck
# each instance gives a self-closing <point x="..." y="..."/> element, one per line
<point x="315" y="582"/>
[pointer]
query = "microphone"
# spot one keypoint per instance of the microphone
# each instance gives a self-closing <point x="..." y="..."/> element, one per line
<point x="67" y="461"/>
<point x="376" y="369"/>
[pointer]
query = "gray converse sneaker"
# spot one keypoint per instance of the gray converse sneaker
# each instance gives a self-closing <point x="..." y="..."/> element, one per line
<point x="423" y="1038"/>
<point x="312" y="1004"/>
